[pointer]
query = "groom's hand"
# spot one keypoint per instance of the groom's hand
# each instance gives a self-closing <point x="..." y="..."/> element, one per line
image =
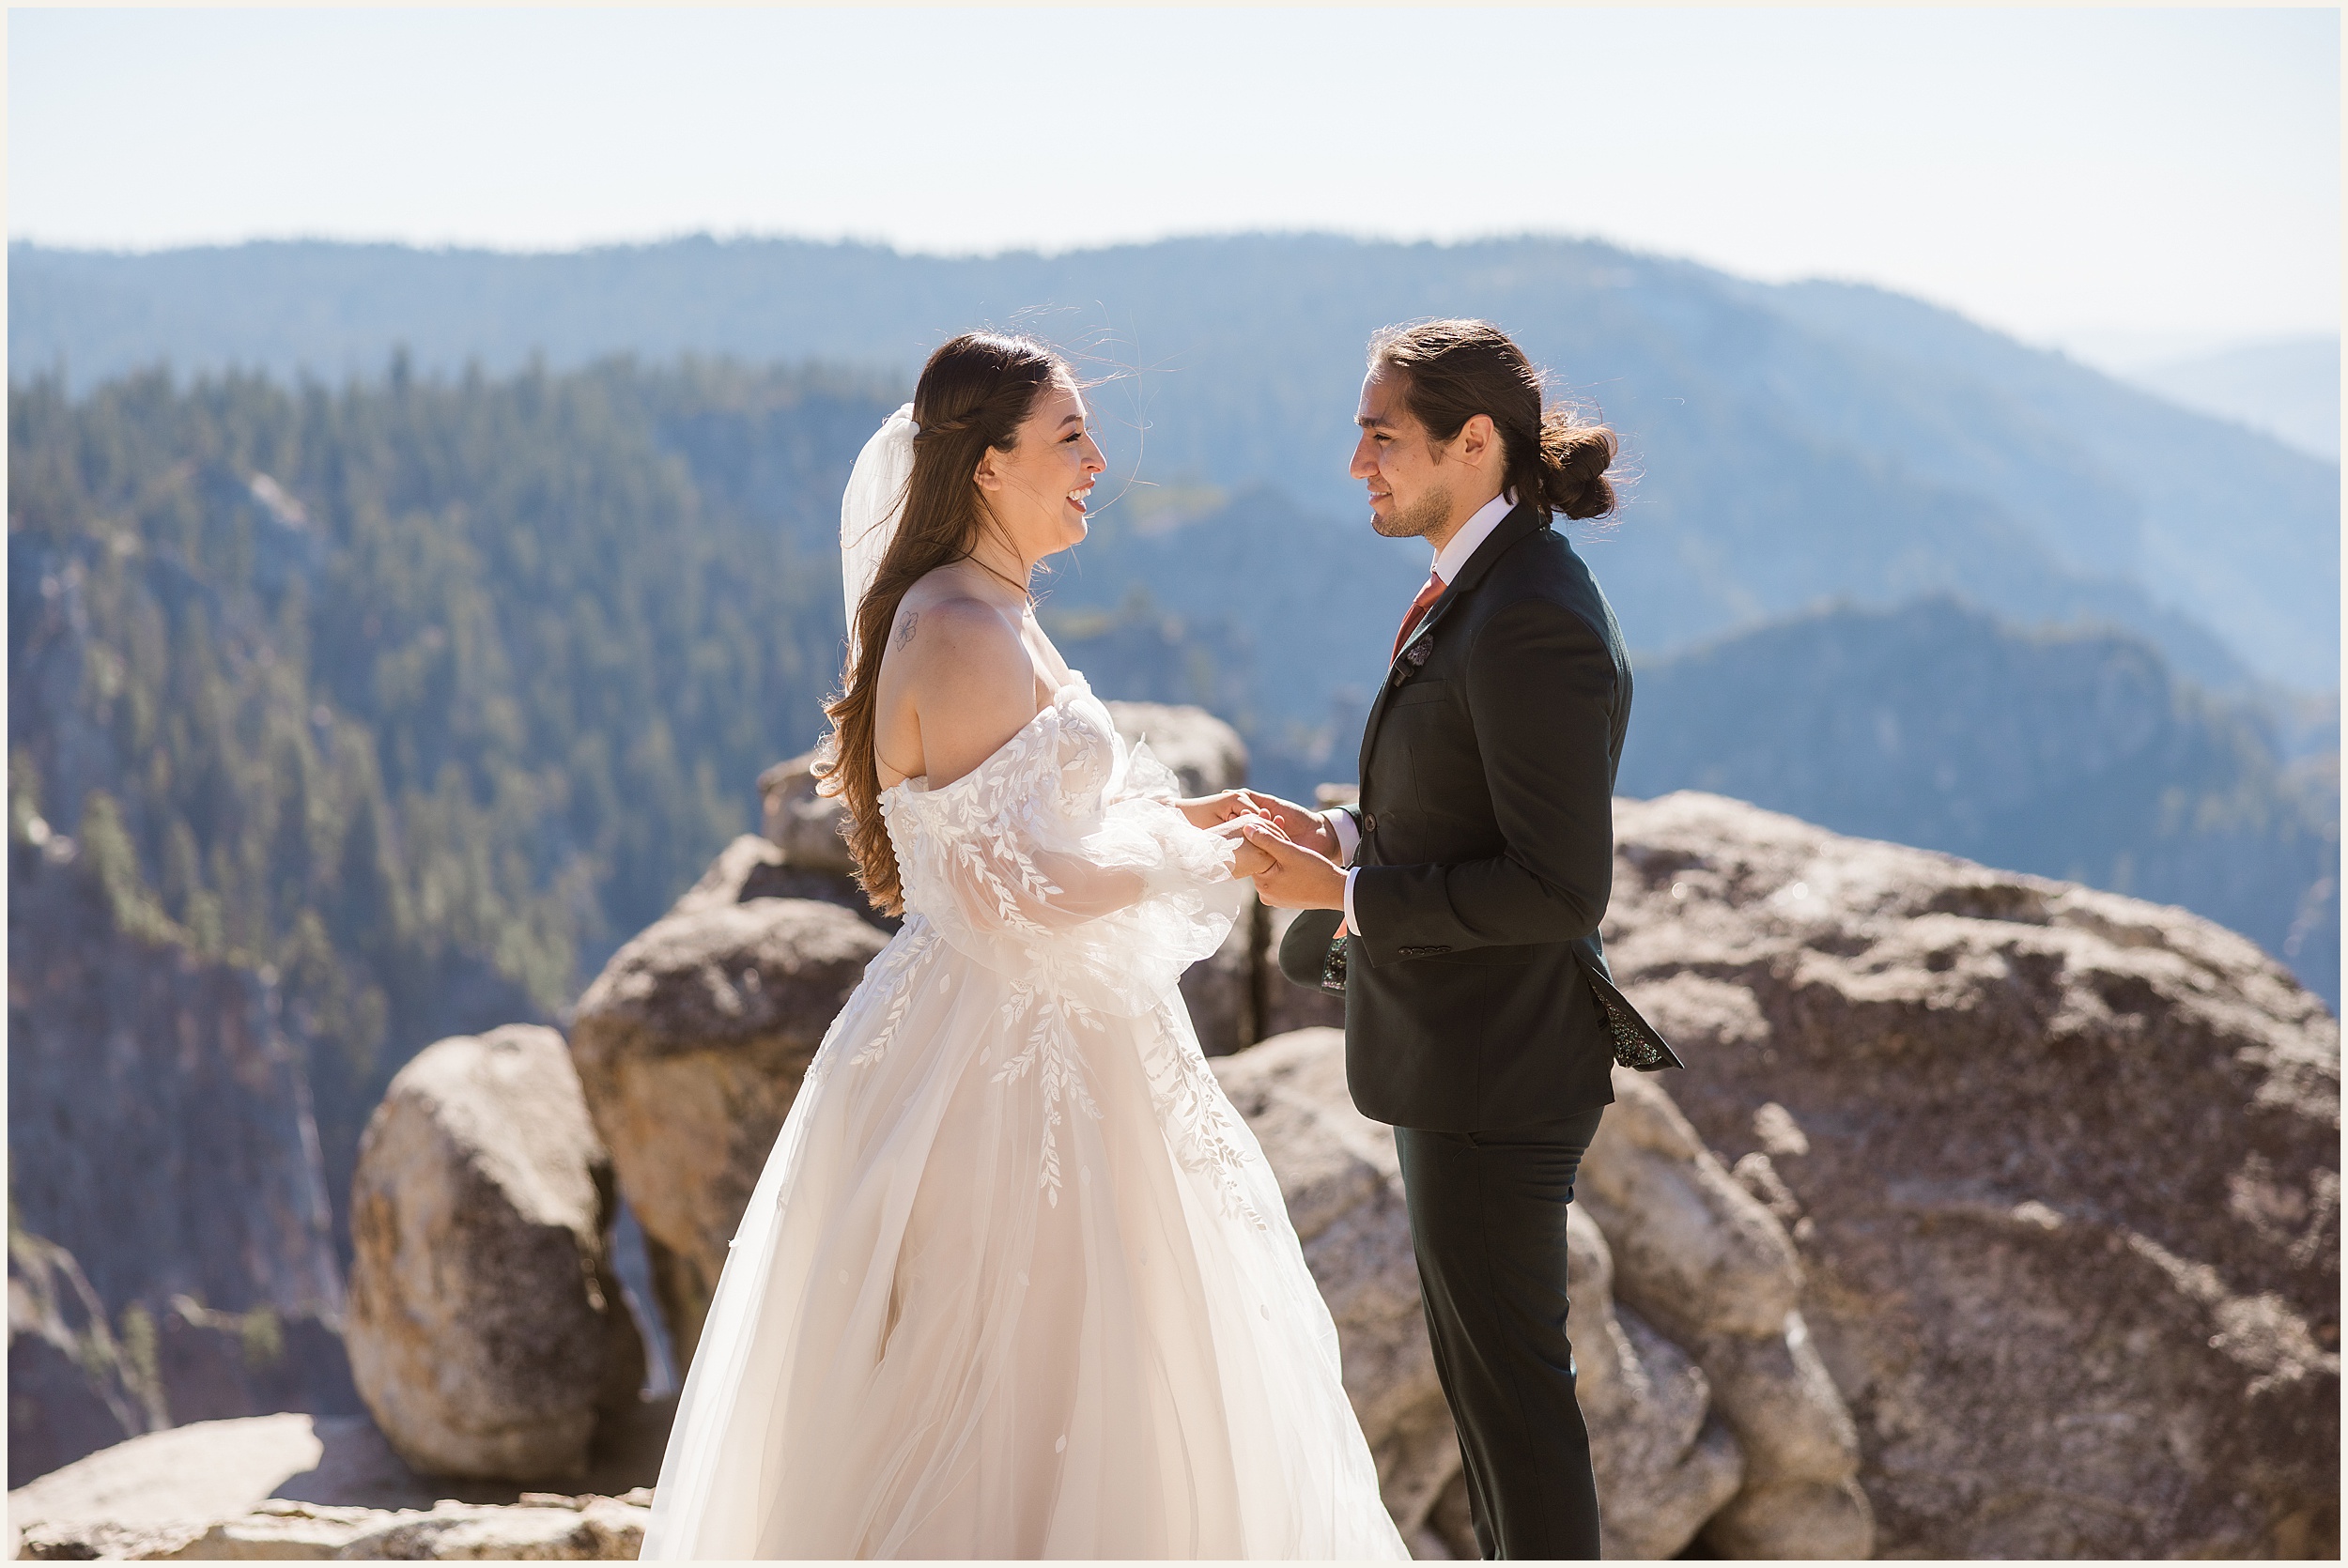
<point x="1248" y="858"/>
<point x="1299" y="878"/>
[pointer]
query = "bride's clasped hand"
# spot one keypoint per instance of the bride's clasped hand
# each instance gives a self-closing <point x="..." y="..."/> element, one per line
<point x="1242" y="820"/>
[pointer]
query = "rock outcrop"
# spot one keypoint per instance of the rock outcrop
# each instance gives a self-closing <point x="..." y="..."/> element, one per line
<point x="1663" y="1460"/>
<point x="550" y="1528"/>
<point x="804" y="827"/>
<point x="171" y="1479"/>
<point x="1699" y="1258"/>
<point x="165" y="1490"/>
<point x="487" y="1329"/>
<point x="1202" y="750"/>
<point x="1338" y="1177"/>
<point x="1666" y="1459"/>
<point x="2025" y="1243"/>
<point x="690" y="1046"/>
<point x="2061" y="1168"/>
<point x="235" y="1489"/>
<point x="77" y="1385"/>
<point x="1225" y="992"/>
<point x="1289" y="1006"/>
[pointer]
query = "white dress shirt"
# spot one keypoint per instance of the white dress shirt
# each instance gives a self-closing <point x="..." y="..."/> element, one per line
<point x="1447" y="563"/>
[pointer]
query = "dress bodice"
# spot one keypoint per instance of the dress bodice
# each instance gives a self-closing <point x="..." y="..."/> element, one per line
<point x="1063" y="857"/>
<point x="1069" y="752"/>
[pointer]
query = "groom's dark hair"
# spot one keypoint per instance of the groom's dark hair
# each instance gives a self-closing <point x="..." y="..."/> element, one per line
<point x="1453" y="371"/>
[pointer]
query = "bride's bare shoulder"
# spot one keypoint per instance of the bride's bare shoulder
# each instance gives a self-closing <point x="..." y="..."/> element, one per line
<point x="961" y="658"/>
<point x="939" y="624"/>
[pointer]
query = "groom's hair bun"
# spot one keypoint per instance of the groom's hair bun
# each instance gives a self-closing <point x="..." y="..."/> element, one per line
<point x="1575" y="458"/>
<point x="1454" y="370"/>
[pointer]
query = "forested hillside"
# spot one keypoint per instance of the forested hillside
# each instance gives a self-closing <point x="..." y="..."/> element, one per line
<point x="1796" y="443"/>
<point x="420" y="694"/>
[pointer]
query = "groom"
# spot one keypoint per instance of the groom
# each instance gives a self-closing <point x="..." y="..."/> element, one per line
<point x="1479" y="1016"/>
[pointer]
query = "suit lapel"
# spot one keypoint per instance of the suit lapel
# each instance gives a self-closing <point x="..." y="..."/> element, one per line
<point x="1515" y="525"/>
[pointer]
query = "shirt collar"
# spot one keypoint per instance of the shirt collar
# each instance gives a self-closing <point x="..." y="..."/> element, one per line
<point x="1480" y="528"/>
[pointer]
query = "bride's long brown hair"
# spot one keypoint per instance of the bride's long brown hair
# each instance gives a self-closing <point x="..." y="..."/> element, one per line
<point x="974" y="394"/>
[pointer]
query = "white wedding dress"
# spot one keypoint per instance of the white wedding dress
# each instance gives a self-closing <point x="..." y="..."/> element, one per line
<point x="1016" y="1282"/>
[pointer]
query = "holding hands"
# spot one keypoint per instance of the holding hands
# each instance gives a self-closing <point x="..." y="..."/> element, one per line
<point x="1236" y="814"/>
<point x="1287" y="849"/>
<point x="1248" y="858"/>
<point x="1296" y="822"/>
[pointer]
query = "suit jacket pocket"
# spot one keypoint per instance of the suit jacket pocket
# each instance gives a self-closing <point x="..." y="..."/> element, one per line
<point x="1411" y="692"/>
<point x="1490" y="957"/>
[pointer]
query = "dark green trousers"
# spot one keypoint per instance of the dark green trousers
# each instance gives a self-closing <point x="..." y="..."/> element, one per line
<point x="1488" y="1221"/>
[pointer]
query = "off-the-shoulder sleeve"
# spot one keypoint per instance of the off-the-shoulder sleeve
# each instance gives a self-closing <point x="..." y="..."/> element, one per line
<point x="1063" y="857"/>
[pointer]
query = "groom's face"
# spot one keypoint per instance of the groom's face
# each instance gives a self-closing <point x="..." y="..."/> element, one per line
<point x="1409" y="496"/>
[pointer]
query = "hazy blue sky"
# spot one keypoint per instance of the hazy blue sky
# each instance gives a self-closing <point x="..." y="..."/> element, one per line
<point x="2064" y="174"/>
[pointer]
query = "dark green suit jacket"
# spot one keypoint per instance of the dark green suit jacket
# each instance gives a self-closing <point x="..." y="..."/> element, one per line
<point x="1478" y="997"/>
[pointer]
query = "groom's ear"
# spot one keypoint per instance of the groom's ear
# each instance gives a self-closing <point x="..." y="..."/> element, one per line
<point x="1477" y="441"/>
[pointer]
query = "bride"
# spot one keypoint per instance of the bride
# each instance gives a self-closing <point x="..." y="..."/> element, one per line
<point x="1016" y="1281"/>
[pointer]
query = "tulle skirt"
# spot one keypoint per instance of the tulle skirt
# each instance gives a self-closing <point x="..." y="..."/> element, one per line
<point x="1015" y="1282"/>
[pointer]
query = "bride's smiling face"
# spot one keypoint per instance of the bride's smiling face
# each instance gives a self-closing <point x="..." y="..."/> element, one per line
<point x="1039" y="490"/>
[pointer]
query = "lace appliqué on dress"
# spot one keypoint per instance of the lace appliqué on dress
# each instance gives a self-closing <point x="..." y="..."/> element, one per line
<point x="1050" y="1052"/>
<point x="1189" y="1099"/>
<point x="903" y="984"/>
<point x="889" y="978"/>
<point x="990" y="854"/>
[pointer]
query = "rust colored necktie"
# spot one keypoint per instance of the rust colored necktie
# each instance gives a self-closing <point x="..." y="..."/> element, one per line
<point x="1419" y="606"/>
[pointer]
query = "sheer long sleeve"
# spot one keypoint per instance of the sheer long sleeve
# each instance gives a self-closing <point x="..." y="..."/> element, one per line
<point x="1063" y="855"/>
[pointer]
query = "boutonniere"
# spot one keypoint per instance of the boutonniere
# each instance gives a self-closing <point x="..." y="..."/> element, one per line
<point x="1413" y="658"/>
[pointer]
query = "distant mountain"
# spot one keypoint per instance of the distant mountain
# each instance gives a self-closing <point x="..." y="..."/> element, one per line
<point x="2290" y="389"/>
<point x="1796" y="445"/>
<point x="2252" y="548"/>
<point x="2074" y="754"/>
